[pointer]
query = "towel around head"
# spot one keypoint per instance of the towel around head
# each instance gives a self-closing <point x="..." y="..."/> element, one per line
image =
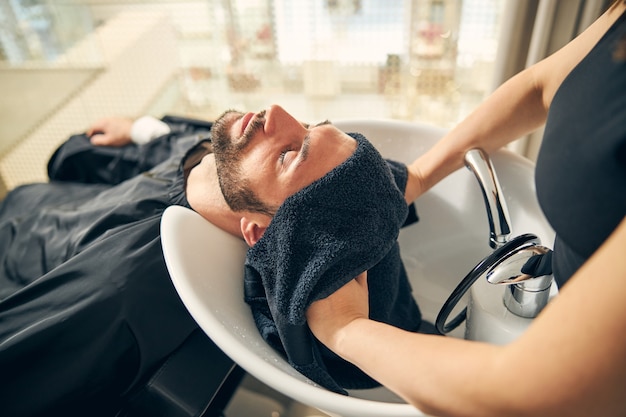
<point x="321" y="237"/>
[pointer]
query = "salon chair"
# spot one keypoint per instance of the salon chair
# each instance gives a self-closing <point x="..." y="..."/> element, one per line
<point x="196" y="380"/>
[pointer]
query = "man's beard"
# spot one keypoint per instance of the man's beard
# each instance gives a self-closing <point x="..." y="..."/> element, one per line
<point x="224" y="143"/>
<point x="229" y="151"/>
<point x="220" y="132"/>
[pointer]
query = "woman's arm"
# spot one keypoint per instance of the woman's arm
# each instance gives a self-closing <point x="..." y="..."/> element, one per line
<point x="516" y="108"/>
<point x="570" y="362"/>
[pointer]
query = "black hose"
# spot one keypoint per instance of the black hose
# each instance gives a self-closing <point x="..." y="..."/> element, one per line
<point x="469" y="280"/>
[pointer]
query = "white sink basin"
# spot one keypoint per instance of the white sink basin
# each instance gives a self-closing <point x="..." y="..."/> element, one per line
<point x="206" y="264"/>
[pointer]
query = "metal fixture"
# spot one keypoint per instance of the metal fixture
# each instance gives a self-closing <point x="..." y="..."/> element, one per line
<point x="477" y="161"/>
<point x="529" y="288"/>
<point x="512" y="263"/>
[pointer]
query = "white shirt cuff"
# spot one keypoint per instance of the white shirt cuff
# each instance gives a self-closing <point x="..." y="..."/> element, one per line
<point x="147" y="128"/>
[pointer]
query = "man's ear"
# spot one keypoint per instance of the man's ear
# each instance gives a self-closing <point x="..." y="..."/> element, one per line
<point x="251" y="230"/>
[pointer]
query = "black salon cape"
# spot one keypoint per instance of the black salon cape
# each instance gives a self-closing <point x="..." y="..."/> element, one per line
<point x="87" y="307"/>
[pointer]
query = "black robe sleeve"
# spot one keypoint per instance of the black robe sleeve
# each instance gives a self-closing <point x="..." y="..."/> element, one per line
<point x="78" y="160"/>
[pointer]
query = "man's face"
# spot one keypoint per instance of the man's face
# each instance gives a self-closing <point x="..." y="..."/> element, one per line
<point x="276" y="154"/>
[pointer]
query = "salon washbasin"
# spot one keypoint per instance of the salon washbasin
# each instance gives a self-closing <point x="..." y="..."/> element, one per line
<point x="206" y="264"/>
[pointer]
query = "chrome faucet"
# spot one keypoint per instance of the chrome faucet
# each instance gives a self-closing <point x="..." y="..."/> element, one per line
<point x="528" y="293"/>
<point x="518" y="263"/>
<point x="513" y="262"/>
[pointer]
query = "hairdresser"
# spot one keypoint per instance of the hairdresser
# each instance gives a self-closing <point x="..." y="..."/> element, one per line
<point x="572" y="359"/>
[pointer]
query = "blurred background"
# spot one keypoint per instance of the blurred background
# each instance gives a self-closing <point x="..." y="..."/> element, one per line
<point x="66" y="63"/>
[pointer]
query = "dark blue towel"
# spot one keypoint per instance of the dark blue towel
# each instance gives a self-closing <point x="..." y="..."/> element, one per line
<point x="320" y="238"/>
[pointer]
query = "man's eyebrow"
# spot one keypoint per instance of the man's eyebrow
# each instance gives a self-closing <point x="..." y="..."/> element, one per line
<point x="304" y="151"/>
<point x="308" y="125"/>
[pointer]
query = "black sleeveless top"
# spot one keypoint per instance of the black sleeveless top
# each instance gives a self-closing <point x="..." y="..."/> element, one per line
<point x="581" y="168"/>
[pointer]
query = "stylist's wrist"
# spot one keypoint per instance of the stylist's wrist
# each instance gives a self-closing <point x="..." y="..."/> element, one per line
<point x="414" y="184"/>
<point x="329" y="317"/>
<point x="345" y="337"/>
<point x="334" y="334"/>
<point x="327" y="325"/>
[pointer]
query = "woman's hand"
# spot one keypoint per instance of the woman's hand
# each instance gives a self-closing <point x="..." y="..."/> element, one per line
<point x="111" y="131"/>
<point x="327" y="317"/>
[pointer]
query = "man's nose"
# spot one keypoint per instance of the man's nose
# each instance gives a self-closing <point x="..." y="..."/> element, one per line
<point x="279" y="122"/>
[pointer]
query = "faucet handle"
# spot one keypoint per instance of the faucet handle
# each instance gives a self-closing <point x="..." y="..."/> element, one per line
<point x="516" y="266"/>
<point x="525" y="266"/>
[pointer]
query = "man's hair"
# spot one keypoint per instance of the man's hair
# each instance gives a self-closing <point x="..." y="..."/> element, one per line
<point x="236" y="190"/>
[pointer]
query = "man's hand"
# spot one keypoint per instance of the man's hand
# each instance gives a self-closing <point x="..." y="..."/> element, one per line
<point x="111" y="131"/>
<point x="327" y="317"/>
